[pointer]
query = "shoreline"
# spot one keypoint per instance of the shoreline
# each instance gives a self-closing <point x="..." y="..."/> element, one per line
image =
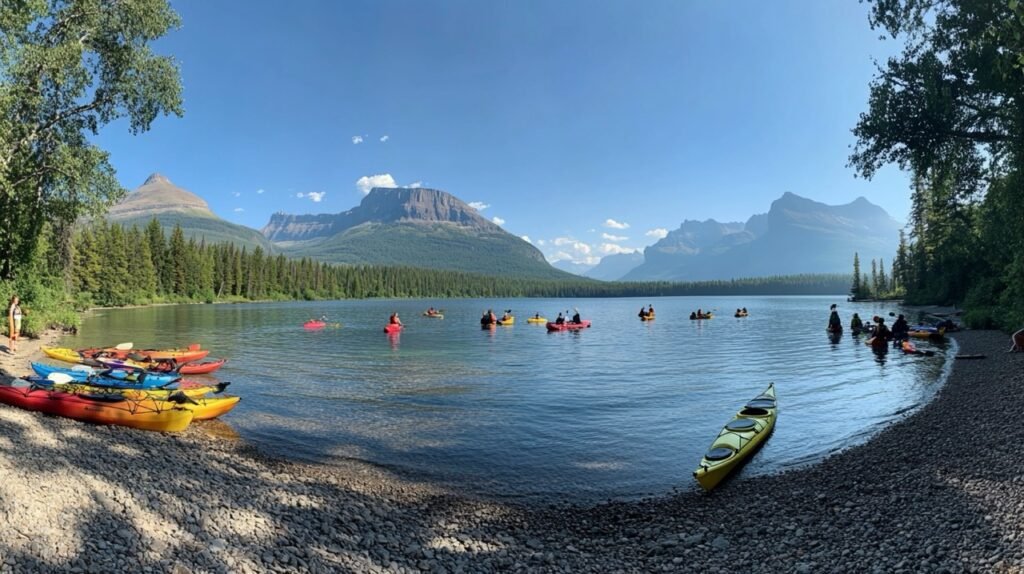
<point x="937" y="490"/>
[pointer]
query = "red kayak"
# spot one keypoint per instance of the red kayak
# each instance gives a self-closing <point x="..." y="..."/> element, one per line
<point x="314" y="325"/>
<point x="141" y="414"/>
<point x="168" y="366"/>
<point x="192" y="353"/>
<point x="392" y="328"/>
<point x="568" y="326"/>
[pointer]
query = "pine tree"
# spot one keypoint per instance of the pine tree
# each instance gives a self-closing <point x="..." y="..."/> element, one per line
<point x="856" y="287"/>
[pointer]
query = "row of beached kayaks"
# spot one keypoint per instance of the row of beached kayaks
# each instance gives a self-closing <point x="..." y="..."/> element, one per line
<point x="112" y="386"/>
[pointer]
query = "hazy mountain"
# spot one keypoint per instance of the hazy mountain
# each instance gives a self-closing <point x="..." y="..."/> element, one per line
<point x="573" y="267"/>
<point x="797" y="235"/>
<point x="171" y="205"/>
<point x="614" y="267"/>
<point x="417" y="227"/>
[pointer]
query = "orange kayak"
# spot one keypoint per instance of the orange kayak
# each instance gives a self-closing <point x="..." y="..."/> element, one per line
<point x="191" y="353"/>
<point x="145" y="414"/>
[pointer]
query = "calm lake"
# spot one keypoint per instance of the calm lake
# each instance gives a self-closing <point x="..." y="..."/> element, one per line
<point x="620" y="410"/>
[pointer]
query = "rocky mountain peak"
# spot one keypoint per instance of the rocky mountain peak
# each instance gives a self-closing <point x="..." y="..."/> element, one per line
<point x="158" y="195"/>
<point x="157" y="178"/>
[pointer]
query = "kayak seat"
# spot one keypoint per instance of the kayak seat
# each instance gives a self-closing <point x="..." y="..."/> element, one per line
<point x="741" y="425"/>
<point x="761" y="403"/>
<point x="749" y="411"/>
<point x="719" y="453"/>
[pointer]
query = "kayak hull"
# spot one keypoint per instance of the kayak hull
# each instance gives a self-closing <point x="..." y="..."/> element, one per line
<point x="537" y="320"/>
<point x="739" y="439"/>
<point x="193" y="353"/>
<point x="392" y="328"/>
<point x="203" y="368"/>
<point x="568" y="326"/>
<point x="144" y="415"/>
<point x="132" y="375"/>
<point x="434" y="315"/>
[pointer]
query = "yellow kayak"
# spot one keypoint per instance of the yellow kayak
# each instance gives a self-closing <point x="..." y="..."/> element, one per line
<point x="509" y="320"/>
<point x="63" y="354"/>
<point x="540" y="320"/>
<point x="136" y="394"/>
<point x="647" y="318"/>
<point x="739" y="439"/>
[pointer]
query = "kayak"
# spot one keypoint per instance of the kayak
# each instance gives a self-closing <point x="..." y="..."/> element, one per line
<point x="510" y="320"/>
<point x="392" y="328"/>
<point x="739" y="439"/>
<point x="922" y="332"/>
<point x="146" y="414"/>
<point x="85" y="373"/>
<point x="434" y="315"/>
<point x="314" y="325"/>
<point x="537" y="320"/>
<point x="910" y="349"/>
<point x="161" y="394"/>
<point x="204" y="368"/>
<point x="568" y="326"/>
<point x="192" y="353"/>
<point x="108" y="384"/>
<point x="647" y="318"/>
<point x="703" y="317"/>
<point x="740" y="315"/>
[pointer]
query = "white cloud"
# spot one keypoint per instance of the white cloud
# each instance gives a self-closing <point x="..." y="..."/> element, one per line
<point x="384" y="138"/>
<point x="260" y="191"/>
<point x="316" y="196"/>
<point x="657" y="233"/>
<point x="368" y="182"/>
<point x="560" y="256"/>
<point x="577" y="246"/>
<point x="525" y="238"/>
<point x="541" y="242"/>
<point x="237" y="194"/>
<point x="239" y="209"/>
<point x="612" y="224"/>
<point x="497" y="220"/>
<point x="414" y="185"/>
<point x="356" y="140"/>
<point x="615" y="249"/>
<point x="300" y="194"/>
<point x="610" y="237"/>
<point x="479" y="205"/>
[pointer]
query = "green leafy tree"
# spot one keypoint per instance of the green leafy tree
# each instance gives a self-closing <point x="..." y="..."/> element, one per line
<point x="68" y="68"/>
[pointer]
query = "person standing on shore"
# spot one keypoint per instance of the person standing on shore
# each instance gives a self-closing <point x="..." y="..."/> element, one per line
<point x="14" y="314"/>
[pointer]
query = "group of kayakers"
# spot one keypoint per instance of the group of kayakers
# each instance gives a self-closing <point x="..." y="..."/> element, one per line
<point x="880" y="332"/>
<point x="489" y="318"/>
<point x="647" y="313"/>
<point x="742" y="312"/>
<point x="576" y="320"/>
<point x="700" y="314"/>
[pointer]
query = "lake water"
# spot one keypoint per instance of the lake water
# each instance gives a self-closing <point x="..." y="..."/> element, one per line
<point x="620" y="410"/>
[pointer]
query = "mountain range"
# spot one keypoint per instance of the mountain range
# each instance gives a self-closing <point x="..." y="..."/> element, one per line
<point x="420" y="227"/>
<point x="796" y="235"/>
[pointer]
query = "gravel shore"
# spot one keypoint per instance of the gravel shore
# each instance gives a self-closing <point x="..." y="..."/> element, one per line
<point x="941" y="491"/>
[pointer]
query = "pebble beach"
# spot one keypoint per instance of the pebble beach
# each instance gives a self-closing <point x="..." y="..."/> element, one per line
<point x="940" y="491"/>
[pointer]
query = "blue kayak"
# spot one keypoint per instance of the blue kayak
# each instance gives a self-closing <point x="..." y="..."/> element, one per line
<point x="132" y="378"/>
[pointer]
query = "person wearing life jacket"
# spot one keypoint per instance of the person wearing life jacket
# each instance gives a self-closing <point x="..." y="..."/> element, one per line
<point x="394" y="319"/>
<point x="643" y="312"/>
<point x="560" y="320"/>
<point x="834" y="322"/>
<point x="576" y="318"/>
<point x="900" y="329"/>
<point x="856" y="324"/>
<point x="693" y="316"/>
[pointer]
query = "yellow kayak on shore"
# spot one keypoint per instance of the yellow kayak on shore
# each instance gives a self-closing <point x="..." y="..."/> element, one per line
<point x="739" y="439"/>
<point x="63" y="354"/>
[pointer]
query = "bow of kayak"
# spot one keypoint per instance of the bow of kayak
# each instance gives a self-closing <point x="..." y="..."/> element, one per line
<point x="739" y="439"/>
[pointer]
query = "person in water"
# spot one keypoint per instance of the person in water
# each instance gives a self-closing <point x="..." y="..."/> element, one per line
<point x="881" y="331"/>
<point x="560" y="319"/>
<point x="856" y="324"/>
<point x="834" y="322"/>
<point x="395" y="320"/>
<point x="576" y="318"/>
<point x="900" y="329"/>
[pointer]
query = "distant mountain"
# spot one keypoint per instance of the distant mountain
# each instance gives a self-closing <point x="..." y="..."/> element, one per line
<point x="614" y="267"/>
<point x="797" y="235"/>
<point x="171" y="205"/>
<point x="573" y="267"/>
<point x="416" y="227"/>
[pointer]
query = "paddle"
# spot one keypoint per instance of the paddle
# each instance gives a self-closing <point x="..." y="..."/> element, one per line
<point x="123" y="346"/>
<point x="60" y="378"/>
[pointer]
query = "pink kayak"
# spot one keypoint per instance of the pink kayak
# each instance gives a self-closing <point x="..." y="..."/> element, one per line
<point x="392" y="328"/>
<point x="568" y="326"/>
<point x="314" y="325"/>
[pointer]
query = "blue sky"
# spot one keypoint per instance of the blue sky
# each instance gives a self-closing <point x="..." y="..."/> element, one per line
<point x="563" y="118"/>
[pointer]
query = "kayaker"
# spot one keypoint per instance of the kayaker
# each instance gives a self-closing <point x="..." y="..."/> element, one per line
<point x="14" y="314"/>
<point x="900" y="329"/>
<point x="693" y="316"/>
<point x="485" y="319"/>
<point x="650" y="310"/>
<point x="856" y="324"/>
<point x="395" y="320"/>
<point x="431" y="311"/>
<point x="506" y="316"/>
<point x="576" y="318"/>
<point x="739" y="312"/>
<point x="643" y="312"/>
<point x="745" y="311"/>
<point x="560" y="320"/>
<point x="537" y="316"/>
<point x="834" y="322"/>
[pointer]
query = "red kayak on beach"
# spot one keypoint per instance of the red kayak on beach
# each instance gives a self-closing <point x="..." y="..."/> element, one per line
<point x="568" y="326"/>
